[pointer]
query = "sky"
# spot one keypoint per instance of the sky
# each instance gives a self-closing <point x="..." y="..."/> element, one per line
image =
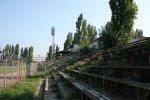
<point x="29" y="22"/>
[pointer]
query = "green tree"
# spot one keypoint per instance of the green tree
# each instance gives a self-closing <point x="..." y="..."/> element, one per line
<point x="7" y="48"/>
<point x="138" y="33"/>
<point x="13" y="49"/>
<point x="21" y="52"/>
<point x="17" y="50"/>
<point x="75" y="39"/>
<point x="10" y="50"/>
<point x="50" y="52"/>
<point x="92" y="32"/>
<point x="3" y="54"/>
<point x="31" y="53"/>
<point x="68" y="41"/>
<point x="123" y="14"/>
<point x="57" y="49"/>
<point x="7" y="51"/>
<point x="26" y="53"/>
<point x="107" y="39"/>
<point x="84" y="35"/>
<point x="78" y="28"/>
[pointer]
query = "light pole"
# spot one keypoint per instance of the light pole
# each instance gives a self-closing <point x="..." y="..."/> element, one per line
<point x="53" y="33"/>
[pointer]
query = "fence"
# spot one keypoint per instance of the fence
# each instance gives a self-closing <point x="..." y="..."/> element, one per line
<point x="12" y="71"/>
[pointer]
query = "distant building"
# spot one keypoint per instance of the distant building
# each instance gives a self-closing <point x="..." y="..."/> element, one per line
<point x="94" y="44"/>
<point x="74" y="48"/>
<point x="39" y="58"/>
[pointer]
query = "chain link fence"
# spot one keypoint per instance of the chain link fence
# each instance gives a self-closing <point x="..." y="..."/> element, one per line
<point x="12" y="71"/>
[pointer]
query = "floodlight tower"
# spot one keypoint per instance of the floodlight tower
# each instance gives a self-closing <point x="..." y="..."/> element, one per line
<point x="53" y="33"/>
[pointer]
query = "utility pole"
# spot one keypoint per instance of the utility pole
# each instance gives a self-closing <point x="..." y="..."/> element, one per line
<point x="53" y="33"/>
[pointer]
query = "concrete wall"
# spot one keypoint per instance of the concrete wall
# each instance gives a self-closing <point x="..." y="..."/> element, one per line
<point x="93" y="45"/>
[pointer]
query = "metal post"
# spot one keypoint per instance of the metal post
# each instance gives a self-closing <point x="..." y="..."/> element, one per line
<point x="24" y="69"/>
<point x="5" y="73"/>
<point x="17" y="69"/>
<point x="13" y="71"/>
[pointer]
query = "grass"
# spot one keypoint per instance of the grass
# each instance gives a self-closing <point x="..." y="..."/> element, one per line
<point x="9" y="69"/>
<point x="22" y="90"/>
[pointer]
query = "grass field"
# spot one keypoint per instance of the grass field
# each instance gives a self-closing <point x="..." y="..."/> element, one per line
<point x="9" y="69"/>
<point x="22" y="90"/>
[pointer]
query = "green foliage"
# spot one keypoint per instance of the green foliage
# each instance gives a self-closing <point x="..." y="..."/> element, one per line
<point x="68" y="41"/>
<point x="78" y="28"/>
<point x="138" y="33"/>
<point x="92" y="32"/>
<point x="26" y="53"/>
<point x="12" y="49"/>
<point x="11" y="52"/>
<point x="123" y="14"/>
<point x="86" y="50"/>
<point x="57" y="49"/>
<point x="50" y="52"/>
<point x="77" y="66"/>
<point x="75" y="39"/>
<point x="21" y="91"/>
<point x="9" y="69"/>
<point x="84" y="35"/>
<point x="107" y="39"/>
<point x="17" y="50"/>
<point x="30" y="53"/>
<point x="21" y="52"/>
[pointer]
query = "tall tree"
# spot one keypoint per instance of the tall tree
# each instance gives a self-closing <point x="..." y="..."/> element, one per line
<point x="21" y="52"/>
<point x="92" y="32"/>
<point x="50" y="52"/>
<point x="3" y="54"/>
<point x="78" y="28"/>
<point x="75" y="39"/>
<point x="138" y="33"/>
<point x="7" y="51"/>
<point x="10" y="49"/>
<point x="26" y="53"/>
<point x="7" y="48"/>
<point x="68" y="41"/>
<point x="17" y="50"/>
<point x="13" y="51"/>
<point x="123" y="14"/>
<point x="84" y="35"/>
<point x="31" y="53"/>
<point x="107" y="39"/>
<point x="57" y="49"/>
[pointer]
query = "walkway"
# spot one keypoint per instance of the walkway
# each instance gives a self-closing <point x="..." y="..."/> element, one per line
<point x="49" y="93"/>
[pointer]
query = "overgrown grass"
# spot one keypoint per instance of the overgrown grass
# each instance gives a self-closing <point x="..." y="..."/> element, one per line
<point x="9" y="69"/>
<point x="22" y="90"/>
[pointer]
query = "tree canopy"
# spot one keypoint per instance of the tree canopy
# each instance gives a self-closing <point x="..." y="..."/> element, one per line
<point x="68" y="41"/>
<point x="123" y="14"/>
<point x="107" y="39"/>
